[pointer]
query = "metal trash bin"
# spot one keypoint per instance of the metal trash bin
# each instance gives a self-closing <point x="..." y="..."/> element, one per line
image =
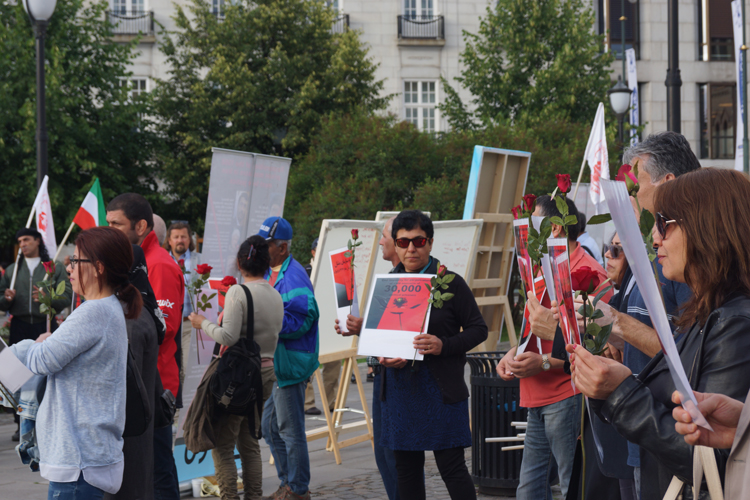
<point x="495" y="403"/>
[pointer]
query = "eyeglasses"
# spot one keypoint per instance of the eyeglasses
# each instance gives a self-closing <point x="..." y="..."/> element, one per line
<point x="74" y="261"/>
<point x="614" y="250"/>
<point x="419" y="242"/>
<point x="662" y="223"/>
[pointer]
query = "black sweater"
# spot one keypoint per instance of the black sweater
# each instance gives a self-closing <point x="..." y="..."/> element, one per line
<point x="446" y="323"/>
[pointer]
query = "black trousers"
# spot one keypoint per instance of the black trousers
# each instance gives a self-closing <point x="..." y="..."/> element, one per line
<point x="452" y="467"/>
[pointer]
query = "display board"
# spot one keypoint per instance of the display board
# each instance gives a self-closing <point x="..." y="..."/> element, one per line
<point x="334" y="234"/>
<point x="244" y="190"/>
<point x="454" y="245"/>
<point x="384" y="216"/>
<point x="497" y="182"/>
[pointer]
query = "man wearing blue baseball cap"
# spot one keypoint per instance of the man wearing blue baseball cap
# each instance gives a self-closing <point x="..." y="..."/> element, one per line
<point x="295" y="360"/>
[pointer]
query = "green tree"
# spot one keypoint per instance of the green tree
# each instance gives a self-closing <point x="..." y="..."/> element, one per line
<point x="531" y="60"/>
<point x="260" y="79"/>
<point x="95" y="129"/>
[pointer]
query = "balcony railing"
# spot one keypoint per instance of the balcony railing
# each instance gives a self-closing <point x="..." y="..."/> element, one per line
<point x="340" y="24"/>
<point x="421" y="27"/>
<point x="131" y="23"/>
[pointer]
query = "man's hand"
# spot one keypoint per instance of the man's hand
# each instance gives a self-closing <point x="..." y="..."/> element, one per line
<point x="428" y="344"/>
<point x="595" y="376"/>
<point x="10" y="295"/>
<point x="392" y="362"/>
<point x="722" y="412"/>
<point x="543" y="323"/>
<point x="526" y="364"/>
<point x="35" y="294"/>
<point x="196" y="320"/>
<point x="353" y="324"/>
<point x="43" y="337"/>
<point x="502" y="367"/>
<point x="612" y="352"/>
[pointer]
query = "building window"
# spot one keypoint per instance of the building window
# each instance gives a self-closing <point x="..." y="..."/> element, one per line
<point x="128" y="7"/>
<point x="718" y="115"/>
<point x="217" y="8"/>
<point x="135" y="85"/>
<point x="609" y="23"/>
<point x="420" y="105"/>
<point x="716" y="30"/>
<point x="414" y="9"/>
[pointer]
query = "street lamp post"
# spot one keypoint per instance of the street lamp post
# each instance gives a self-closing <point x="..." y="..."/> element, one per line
<point x="39" y="12"/>
<point x="619" y="94"/>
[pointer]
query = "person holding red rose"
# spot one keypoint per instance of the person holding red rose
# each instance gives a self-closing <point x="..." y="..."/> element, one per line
<point x="131" y="213"/>
<point x="253" y="261"/>
<point x="554" y="409"/>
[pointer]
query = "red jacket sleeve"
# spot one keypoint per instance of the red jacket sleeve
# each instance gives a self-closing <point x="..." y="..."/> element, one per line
<point x="169" y="289"/>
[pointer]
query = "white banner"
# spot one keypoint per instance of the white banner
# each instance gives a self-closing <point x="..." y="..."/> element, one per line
<point x="43" y="217"/>
<point x="635" y="117"/>
<point x="597" y="157"/>
<point x="737" y="24"/>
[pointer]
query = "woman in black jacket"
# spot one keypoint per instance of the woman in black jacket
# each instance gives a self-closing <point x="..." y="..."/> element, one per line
<point x="425" y="405"/>
<point x="703" y="236"/>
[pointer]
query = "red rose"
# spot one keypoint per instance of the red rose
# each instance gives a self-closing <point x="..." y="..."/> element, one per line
<point x="203" y="269"/>
<point x="529" y="202"/>
<point x="516" y="211"/>
<point x="563" y="182"/>
<point x="626" y="171"/>
<point x="355" y="234"/>
<point x="585" y="279"/>
<point x="181" y="263"/>
<point x="441" y="271"/>
<point x="228" y="281"/>
<point x="49" y="267"/>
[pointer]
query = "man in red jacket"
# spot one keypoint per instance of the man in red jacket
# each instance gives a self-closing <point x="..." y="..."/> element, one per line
<point x="132" y="214"/>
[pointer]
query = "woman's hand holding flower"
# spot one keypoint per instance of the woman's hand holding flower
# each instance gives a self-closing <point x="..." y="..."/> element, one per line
<point x="428" y="344"/>
<point x="595" y="376"/>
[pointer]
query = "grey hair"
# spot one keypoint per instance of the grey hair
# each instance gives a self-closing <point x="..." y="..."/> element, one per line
<point x="668" y="153"/>
<point x="280" y="242"/>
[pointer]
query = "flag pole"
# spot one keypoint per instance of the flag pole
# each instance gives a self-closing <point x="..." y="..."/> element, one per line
<point x="18" y="257"/>
<point x="580" y="176"/>
<point x="64" y="240"/>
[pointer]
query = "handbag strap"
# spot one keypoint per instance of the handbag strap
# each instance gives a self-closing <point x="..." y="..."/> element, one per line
<point x="703" y="460"/>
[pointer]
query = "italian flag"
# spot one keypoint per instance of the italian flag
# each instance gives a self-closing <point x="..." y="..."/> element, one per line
<point x="92" y="212"/>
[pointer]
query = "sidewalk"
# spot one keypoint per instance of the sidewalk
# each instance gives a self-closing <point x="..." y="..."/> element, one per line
<point x="356" y="478"/>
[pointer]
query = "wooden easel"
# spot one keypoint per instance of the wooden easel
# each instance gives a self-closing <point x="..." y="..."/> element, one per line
<point x="496" y="184"/>
<point x="334" y="427"/>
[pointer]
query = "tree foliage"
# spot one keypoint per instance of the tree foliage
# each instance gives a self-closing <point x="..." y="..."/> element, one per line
<point x="267" y="73"/>
<point x="95" y="130"/>
<point x="531" y="60"/>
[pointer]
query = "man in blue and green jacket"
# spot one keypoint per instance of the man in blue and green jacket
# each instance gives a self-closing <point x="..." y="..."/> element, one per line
<point x="295" y="360"/>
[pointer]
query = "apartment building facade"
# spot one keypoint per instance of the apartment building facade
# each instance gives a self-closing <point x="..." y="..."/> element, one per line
<point x="416" y="42"/>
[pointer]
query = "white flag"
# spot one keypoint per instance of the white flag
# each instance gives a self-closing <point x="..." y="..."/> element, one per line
<point x="43" y="216"/>
<point x="738" y="53"/>
<point x="635" y="116"/>
<point x="597" y="157"/>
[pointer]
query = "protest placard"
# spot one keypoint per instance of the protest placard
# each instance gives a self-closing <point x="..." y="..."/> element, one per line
<point x="345" y="287"/>
<point x="397" y="310"/>
<point x="525" y="267"/>
<point x="13" y="373"/>
<point x="558" y="254"/>
<point x="539" y="291"/>
<point x="623" y="216"/>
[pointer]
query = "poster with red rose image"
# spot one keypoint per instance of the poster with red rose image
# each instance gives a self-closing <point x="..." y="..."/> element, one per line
<point x="540" y="291"/>
<point x="558" y="253"/>
<point x="394" y="315"/>
<point x="525" y="266"/>
<point x="344" y="288"/>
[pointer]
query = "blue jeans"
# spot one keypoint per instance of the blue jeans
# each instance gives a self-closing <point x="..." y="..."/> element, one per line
<point x="551" y="436"/>
<point x="80" y="490"/>
<point x="283" y="428"/>
<point x="384" y="457"/>
<point x="166" y="485"/>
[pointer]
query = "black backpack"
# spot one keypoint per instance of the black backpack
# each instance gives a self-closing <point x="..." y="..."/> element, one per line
<point x="237" y="386"/>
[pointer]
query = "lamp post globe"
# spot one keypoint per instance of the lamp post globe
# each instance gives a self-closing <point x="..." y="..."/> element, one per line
<point x="619" y="99"/>
<point x="40" y="12"/>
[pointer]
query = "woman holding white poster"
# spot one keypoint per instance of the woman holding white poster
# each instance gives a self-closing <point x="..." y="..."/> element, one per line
<point x="702" y="235"/>
<point x="425" y="403"/>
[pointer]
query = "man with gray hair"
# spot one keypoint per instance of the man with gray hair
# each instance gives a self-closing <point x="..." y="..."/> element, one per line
<point x="660" y="158"/>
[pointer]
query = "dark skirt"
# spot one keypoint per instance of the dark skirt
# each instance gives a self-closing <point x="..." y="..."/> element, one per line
<point x="414" y="417"/>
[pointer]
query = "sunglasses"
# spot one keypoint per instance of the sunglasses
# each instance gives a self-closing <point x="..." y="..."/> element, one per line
<point x="418" y="242"/>
<point x="614" y="250"/>
<point x="662" y="223"/>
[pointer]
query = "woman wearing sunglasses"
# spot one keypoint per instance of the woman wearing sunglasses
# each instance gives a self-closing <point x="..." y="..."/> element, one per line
<point x="702" y="235"/>
<point x="82" y="416"/>
<point x="425" y="405"/>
